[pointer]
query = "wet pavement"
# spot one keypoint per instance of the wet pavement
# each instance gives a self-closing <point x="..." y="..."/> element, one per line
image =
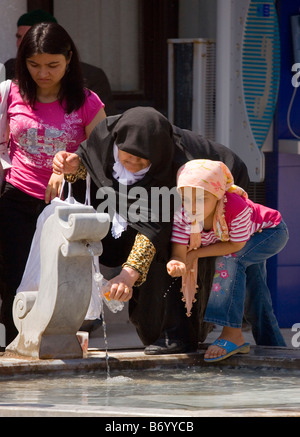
<point x="259" y="357"/>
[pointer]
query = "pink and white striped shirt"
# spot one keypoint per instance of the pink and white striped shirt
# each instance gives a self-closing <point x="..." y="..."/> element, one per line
<point x="243" y="218"/>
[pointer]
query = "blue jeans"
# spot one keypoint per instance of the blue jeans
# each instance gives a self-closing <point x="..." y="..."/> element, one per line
<point x="247" y="268"/>
<point x="259" y="308"/>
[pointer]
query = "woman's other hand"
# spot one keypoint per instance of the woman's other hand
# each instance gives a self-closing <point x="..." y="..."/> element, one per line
<point x="65" y="162"/>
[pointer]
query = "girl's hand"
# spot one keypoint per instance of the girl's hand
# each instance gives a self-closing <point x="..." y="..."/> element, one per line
<point x="65" y="162"/>
<point x="54" y="187"/>
<point x="121" y="285"/>
<point x="176" y="268"/>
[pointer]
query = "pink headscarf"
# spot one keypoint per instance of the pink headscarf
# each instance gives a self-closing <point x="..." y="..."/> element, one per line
<point x="216" y="178"/>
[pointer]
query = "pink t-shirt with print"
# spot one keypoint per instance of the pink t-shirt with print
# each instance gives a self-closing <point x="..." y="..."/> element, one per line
<point x="37" y="135"/>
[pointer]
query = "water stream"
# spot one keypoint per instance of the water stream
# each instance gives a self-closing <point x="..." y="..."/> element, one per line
<point x="103" y="290"/>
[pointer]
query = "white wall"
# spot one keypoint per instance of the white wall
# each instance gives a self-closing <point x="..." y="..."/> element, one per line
<point x="106" y="33"/>
<point x="10" y="11"/>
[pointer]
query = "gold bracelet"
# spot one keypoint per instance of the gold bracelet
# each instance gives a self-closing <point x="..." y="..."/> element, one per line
<point x="140" y="257"/>
<point x="80" y="174"/>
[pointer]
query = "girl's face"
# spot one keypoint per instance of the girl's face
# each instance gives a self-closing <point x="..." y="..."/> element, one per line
<point x="198" y="202"/>
<point x="47" y="70"/>
<point x="132" y="163"/>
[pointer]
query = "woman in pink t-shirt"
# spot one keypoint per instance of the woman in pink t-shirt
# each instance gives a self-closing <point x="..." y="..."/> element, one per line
<point x="48" y="110"/>
<point x="218" y="220"/>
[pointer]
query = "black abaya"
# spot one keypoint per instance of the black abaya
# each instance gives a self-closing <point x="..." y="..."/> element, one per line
<point x="156" y="305"/>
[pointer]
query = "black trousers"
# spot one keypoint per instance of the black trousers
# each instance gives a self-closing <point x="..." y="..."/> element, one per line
<point x="18" y="216"/>
<point x="157" y="307"/>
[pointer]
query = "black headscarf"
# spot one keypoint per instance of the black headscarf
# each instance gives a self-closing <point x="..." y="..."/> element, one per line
<point x="142" y="132"/>
<point x="145" y="133"/>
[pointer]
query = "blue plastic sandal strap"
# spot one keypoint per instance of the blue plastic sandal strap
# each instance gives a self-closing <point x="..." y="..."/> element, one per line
<point x="225" y="344"/>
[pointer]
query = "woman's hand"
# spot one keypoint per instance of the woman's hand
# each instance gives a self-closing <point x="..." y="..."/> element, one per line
<point x="176" y="268"/>
<point x="65" y="162"/>
<point x="121" y="285"/>
<point x="54" y="187"/>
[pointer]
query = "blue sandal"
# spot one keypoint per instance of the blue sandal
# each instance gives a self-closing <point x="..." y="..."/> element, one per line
<point x="231" y="349"/>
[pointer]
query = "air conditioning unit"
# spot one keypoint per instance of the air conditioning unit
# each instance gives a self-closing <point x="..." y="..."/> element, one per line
<point x="191" y="84"/>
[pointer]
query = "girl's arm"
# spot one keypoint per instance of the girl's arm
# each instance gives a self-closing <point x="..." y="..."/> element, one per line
<point x="54" y="187"/>
<point x="98" y="117"/>
<point x="221" y="248"/>
<point x="177" y="264"/>
<point x="63" y="162"/>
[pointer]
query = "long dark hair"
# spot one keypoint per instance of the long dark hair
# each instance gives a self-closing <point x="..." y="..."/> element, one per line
<point x="51" y="38"/>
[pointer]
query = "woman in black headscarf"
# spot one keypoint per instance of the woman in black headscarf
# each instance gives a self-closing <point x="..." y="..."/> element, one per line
<point x="140" y="150"/>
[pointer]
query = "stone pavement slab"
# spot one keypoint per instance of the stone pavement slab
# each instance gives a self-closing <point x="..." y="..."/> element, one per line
<point x="259" y="357"/>
<point x="130" y="413"/>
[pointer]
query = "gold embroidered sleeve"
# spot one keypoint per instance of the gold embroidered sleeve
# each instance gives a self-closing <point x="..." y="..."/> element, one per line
<point x="80" y="174"/>
<point x="140" y="257"/>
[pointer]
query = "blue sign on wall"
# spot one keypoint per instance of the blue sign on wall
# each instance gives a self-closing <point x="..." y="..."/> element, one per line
<point x="261" y="67"/>
<point x="263" y="10"/>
